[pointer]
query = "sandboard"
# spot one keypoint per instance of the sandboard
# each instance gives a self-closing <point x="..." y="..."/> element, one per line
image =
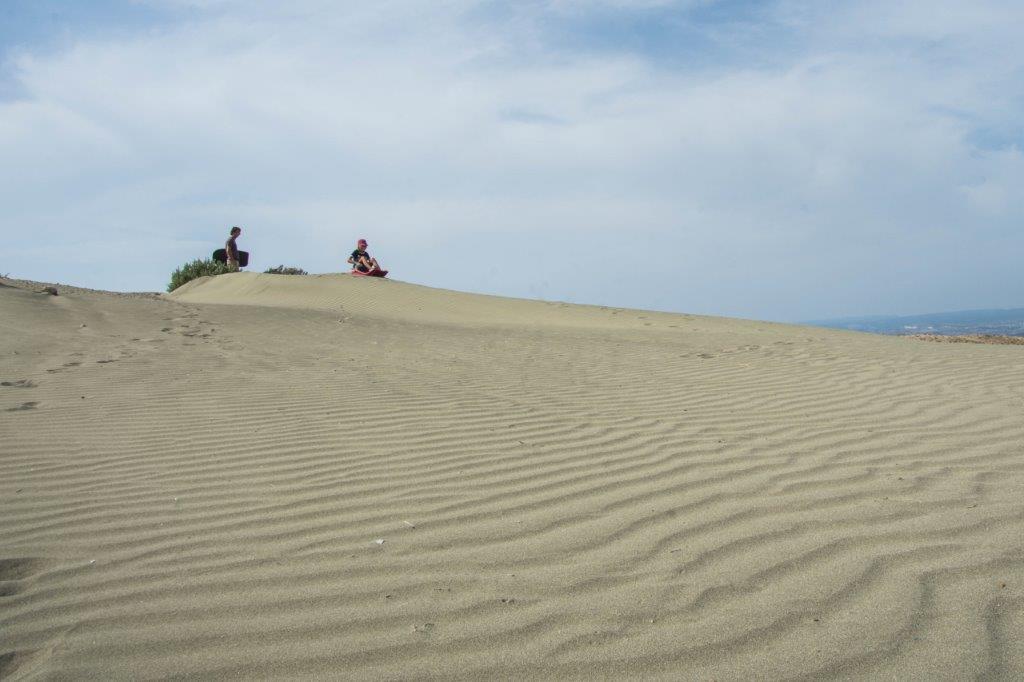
<point x="221" y="256"/>
<point x="374" y="273"/>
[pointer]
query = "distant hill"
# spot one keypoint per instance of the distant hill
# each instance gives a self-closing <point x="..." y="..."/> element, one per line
<point x="1006" y="322"/>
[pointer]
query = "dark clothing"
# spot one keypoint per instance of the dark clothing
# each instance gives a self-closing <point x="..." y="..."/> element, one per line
<point x="231" y="248"/>
<point x="356" y="255"/>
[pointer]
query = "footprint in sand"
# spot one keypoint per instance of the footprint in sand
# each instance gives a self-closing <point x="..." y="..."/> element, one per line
<point x="13" y="662"/>
<point x="64" y="366"/>
<point x="14" y="571"/>
<point x="20" y="383"/>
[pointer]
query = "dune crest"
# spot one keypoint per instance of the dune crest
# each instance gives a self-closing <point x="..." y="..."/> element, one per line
<point x="401" y="301"/>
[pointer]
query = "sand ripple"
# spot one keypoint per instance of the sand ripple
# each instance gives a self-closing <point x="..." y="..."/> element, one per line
<point x="200" y="489"/>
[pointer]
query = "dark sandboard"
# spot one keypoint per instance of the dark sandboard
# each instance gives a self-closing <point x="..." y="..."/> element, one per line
<point x="221" y="256"/>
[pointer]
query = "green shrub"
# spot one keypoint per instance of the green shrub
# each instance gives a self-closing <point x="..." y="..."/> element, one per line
<point x="282" y="270"/>
<point x="194" y="270"/>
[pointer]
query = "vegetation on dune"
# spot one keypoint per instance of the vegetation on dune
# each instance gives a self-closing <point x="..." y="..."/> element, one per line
<point x="283" y="270"/>
<point x="195" y="269"/>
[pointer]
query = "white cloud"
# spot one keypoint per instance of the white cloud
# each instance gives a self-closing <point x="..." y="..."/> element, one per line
<point x="848" y="152"/>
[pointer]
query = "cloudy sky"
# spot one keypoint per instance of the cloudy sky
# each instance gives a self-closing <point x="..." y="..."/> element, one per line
<point x="771" y="159"/>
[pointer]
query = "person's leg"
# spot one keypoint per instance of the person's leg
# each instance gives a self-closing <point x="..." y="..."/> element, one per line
<point x="232" y="265"/>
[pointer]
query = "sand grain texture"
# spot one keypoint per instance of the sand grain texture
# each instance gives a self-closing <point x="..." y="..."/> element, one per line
<point x="195" y="485"/>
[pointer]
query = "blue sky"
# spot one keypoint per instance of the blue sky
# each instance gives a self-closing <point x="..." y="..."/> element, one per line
<point x="777" y="160"/>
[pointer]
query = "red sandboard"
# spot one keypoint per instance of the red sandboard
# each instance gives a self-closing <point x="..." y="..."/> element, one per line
<point x="374" y="273"/>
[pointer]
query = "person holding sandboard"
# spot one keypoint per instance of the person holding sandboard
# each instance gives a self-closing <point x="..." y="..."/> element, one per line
<point x="231" y="249"/>
<point x="230" y="255"/>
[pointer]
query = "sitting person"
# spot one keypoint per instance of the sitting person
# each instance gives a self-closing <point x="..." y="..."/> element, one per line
<point x="361" y="260"/>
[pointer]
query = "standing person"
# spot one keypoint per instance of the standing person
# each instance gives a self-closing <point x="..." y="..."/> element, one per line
<point x="361" y="260"/>
<point x="231" y="249"/>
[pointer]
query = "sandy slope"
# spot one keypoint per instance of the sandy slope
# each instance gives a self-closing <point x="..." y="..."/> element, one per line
<point x="196" y="484"/>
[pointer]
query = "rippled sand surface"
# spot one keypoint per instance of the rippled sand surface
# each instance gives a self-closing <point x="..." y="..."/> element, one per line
<point x="267" y="476"/>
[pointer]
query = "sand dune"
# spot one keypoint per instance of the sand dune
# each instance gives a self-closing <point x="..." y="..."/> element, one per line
<point x="328" y="477"/>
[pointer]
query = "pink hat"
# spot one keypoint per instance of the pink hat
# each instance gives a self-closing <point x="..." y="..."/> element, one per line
<point x="362" y="241"/>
